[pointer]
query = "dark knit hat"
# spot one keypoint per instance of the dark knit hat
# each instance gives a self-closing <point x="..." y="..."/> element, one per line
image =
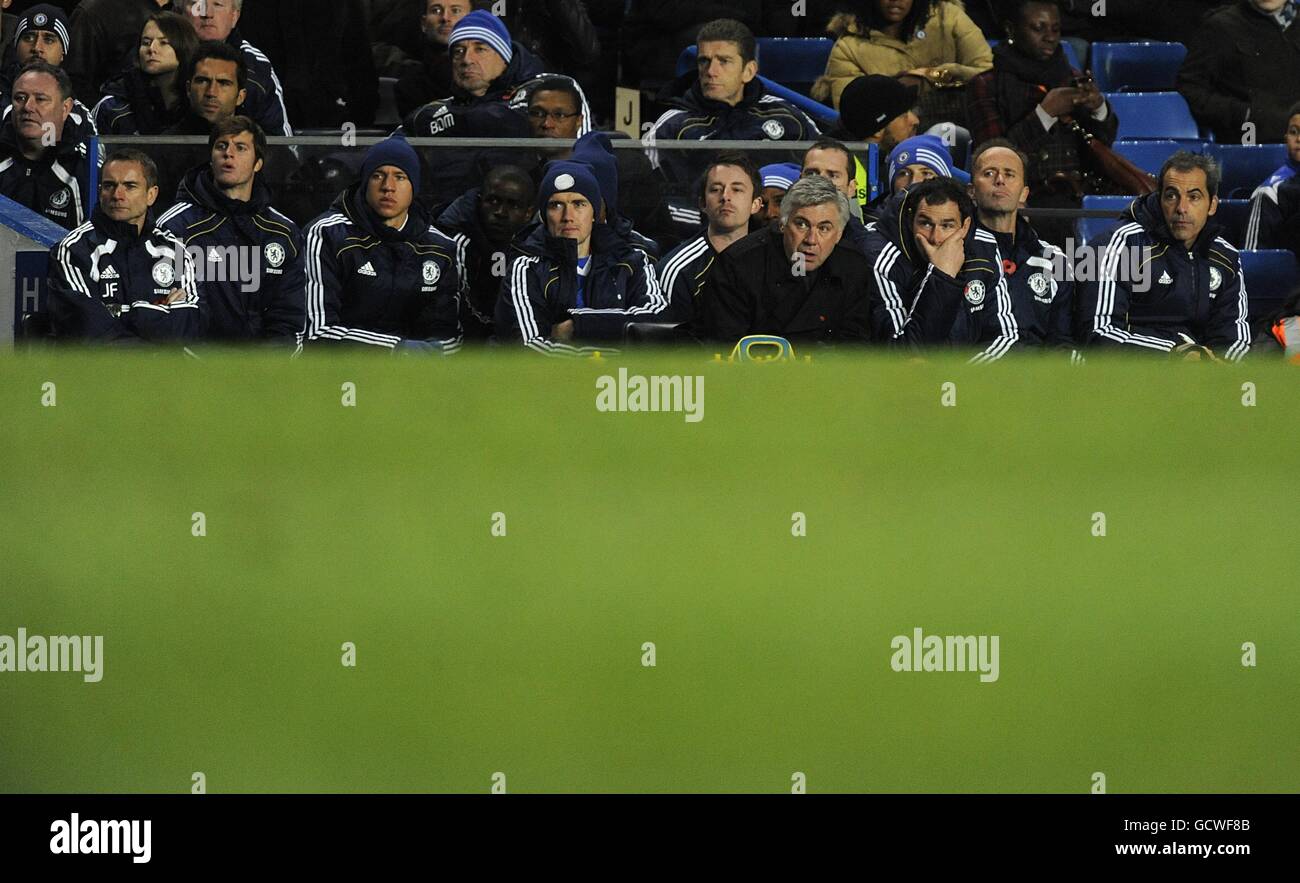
<point x="868" y="104"/>
<point x="596" y="151"/>
<point x="44" y="17"/>
<point x="392" y="152"/>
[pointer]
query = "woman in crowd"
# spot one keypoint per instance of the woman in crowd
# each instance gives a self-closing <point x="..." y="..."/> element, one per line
<point x="149" y="95"/>
<point x="927" y="43"/>
<point x="1034" y="99"/>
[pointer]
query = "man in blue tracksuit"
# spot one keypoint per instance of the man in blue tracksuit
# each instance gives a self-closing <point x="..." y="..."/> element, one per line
<point x="725" y="101"/>
<point x="1038" y="280"/>
<point x="926" y="247"/>
<point x="489" y="217"/>
<point x="1167" y="282"/>
<point x="378" y="272"/>
<point x="251" y="261"/>
<point x="573" y="279"/>
<point x="119" y="278"/>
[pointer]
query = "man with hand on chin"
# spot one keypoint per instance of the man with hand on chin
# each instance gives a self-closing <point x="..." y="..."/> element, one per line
<point x="931" y="269"/>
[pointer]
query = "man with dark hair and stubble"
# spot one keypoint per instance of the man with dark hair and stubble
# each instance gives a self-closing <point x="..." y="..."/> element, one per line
<point x="218" y="20"/>
<point x="1168" y="282"/>
<point x="253" y="282"/>
<point x="926" y="251"/>
<point x="119" y="278"/>
<point x="729" y="197"/>
<point x="215" y="86"/>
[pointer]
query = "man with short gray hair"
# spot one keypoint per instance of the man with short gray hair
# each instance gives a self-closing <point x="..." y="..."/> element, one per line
<point x="797" y="281"/>
<point x="1168" y="282"/>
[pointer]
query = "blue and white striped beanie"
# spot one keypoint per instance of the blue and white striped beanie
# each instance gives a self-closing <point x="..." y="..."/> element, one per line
<point x="483" y="26"/>
<point x="925" y="150"/>
<point x="780" y="174"/>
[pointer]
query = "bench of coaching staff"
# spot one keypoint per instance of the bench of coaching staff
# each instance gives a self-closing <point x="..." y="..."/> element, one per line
<point x="802" y="282"/>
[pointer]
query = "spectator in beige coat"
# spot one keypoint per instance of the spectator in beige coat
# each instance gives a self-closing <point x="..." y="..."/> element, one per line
<point x="932" y="44"/>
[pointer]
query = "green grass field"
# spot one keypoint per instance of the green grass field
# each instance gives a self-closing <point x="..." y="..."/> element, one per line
<point x="523" y="654"/>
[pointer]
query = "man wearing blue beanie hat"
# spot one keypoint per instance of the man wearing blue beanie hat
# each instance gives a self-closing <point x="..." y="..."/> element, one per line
<point x="395" y="152"/>
<point x="378" y="272"/>
<point x="572" y="278"/>
<point x="777" y="179"/>
<point x="487" y="68"/>
<point x="921" y="158"/>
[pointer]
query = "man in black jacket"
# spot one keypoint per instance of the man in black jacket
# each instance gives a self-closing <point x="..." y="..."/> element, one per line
<point x="119" y="277"/>
<point x="44" y="147"/>
<point x="801" y="283"/>
<point x="729" y="198"/>
<point x="489" y="217"/>
<point x="1243" y="66"/>
<point x="724" y="100"/>
<point x="249" y="256"/>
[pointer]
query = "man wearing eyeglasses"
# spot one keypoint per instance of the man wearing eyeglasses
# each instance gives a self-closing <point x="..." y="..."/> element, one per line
<point x="556" y="108"/>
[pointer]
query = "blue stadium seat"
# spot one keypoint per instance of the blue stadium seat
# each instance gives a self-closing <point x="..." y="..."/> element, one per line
<point x="1148" y="156"/>
<point x="1092" y="229"/>
<point x="794" y="62"/>
<point x="1245" y="168"/>
<point x="1153" y="115"/>
<point x="1232" y="215"/>
<point x="1070" y="55"/>
<point x="1136" y="67"/>
<point x="825" y="117"/>
<point x="1271" y="275"/>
